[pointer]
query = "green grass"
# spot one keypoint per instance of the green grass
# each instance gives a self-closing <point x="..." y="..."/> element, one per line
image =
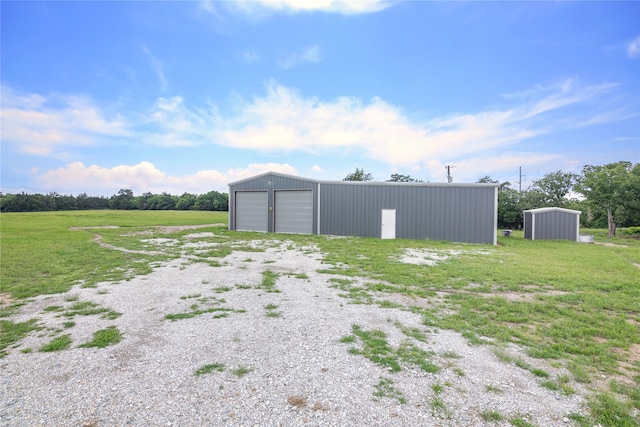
<point x="491" y="415"/>
<point x="39" y="254"/>
<point x="206" y="369"/>
<point x="574" y="305"/>
<point x="11" y="333"/>
<point x="376" y="348"/>
<point x="241" y="371"/>
<point x="385" y="388"/>
<point x="57" y="344"/>
<point x="104" y="338"/>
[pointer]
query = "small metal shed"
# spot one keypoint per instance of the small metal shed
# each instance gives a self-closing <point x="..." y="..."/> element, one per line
<point x="552" y="224"/>
<point x="275" y="202"/>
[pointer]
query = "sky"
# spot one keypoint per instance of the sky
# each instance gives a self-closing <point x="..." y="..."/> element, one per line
<point x="158" y="96"/>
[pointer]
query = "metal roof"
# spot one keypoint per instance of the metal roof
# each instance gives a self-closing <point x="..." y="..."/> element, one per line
<point x="390" y="183"/>
<point x="542" y="210"/>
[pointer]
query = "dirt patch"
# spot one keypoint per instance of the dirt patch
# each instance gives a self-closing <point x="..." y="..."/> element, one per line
<point x="514" y="296"/>
<point x="5" y="299"/>
<point x="613" y="245"/>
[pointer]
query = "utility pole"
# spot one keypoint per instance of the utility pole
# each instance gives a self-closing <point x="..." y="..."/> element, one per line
<point x="449" y="177"/>
<point x="520" y="180"/>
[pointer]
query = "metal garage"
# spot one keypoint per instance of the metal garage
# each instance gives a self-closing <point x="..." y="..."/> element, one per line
<point x="552" y="224"/>
<point x="277" y="202"/>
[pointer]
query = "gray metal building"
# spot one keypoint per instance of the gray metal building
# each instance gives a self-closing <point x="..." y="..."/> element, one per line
<point x="275" y="202"/>
<point x="552" y="224"/>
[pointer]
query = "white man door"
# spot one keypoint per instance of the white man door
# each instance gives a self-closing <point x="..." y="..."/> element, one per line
<point x="388" y="230"/>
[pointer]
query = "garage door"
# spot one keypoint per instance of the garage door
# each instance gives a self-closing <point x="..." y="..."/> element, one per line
<point x="251" y="211"/>
<point x="294" y="211"/>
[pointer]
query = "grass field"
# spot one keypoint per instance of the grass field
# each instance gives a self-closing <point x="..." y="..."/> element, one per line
<point x="575" y="305"/>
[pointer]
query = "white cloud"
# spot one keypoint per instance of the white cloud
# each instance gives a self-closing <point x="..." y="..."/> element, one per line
<point x="144" y="177"/>
<point x="285" y="121"/>
<point x="248" y="56"/>
<point x="633" y="50"/>
<point x="347" y="7"/>
<point x="310" y="54"/>
<point x="157" y="68"/>
<point x="33" y="124"/>
<point x="316" y="168"/>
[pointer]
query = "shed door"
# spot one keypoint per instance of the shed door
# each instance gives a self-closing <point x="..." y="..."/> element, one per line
<point x="251" y="211"/>
<point x="388" y="224"/>
<point x="294" y="211"/>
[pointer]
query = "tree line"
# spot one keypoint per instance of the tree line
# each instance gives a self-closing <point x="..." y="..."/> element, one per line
<point x="123" y="200"/>
<point x="608" y="195"/>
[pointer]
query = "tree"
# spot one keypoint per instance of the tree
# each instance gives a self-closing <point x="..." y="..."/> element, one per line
<point x="554" y="187"/>
<point x="359" y="175"/>
<point x="124" y="200"/>
<point x="609" y="187"/>
<point x="396" y="177"/>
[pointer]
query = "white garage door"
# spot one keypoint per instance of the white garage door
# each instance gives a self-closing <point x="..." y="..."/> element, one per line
<point x="294" y="211"/>
<point x="251" y="211"/>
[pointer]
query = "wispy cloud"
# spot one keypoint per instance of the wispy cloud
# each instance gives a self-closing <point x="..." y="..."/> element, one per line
<point x="157" y="68"/>
<point x="346" y="7"/>
<point x="633" y="49"/>
<point x="309" y="54"/>
<point x="38" y="125"/>
<point x="248" y="56"/>
<point x="144" y="177"/>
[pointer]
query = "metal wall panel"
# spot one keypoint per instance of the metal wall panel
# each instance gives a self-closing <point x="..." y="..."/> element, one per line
<point x="439" y="212"/>
<point x="294" y="211"/>
<point x="552" y="224"/>
<point x="251" y="209"/>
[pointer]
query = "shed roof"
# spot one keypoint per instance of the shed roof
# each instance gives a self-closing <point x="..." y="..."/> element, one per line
<point x="425" y="184"/>
<point x="543" y="210"/>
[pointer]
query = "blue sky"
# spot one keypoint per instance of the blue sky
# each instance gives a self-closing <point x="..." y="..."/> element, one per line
<point x="189" y="96"/>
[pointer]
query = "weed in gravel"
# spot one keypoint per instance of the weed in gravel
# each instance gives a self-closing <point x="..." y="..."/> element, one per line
<point x="59" y="343"/>
<point x="206" y="369"/>
<point x="11" y="332"/>
<point x="450" y="354"/>
<point x="221" y="289"/>
<point x="191" y="296"/>
<point x="389" y="304"/>
<point x="53" y="308"/>
<point x="410" y="332"/>
<point x="320" y="407"/>
<point x="88" y="308"/>
<point x="241" y="371"/>
<point x="348" y="339"/>
<point x="437" y="388"/>
<point x="439" y="408"/>
<point x="491" y="415"/>
<point x="376" y="348"/>
<point x="385" y="388"/>
<point x="104" y="338"/>
<point x="270" y="310"/>
<point x="68" y="325"/>
<point x="493" y="388"/>
<point x="269" y="279"/>
<point x="244" y="286"/>
<point x="520" y="422"/>
<point x="540" y="373"/>
<point x="26" y="350"/>
<point x="297" y="401"/>
<point x="459" y="372"/>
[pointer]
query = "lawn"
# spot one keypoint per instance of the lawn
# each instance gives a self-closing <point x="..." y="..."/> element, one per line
<point x="575" y="305"/>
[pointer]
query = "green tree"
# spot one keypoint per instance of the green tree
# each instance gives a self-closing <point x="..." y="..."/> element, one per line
<point x="123" y="200"/>
<point x="186" y="202"/>
<point x="553" y="188"/>
<point x="359" y="175"/>
<point x="396" y="177"/>
<point x="610" y="187"/>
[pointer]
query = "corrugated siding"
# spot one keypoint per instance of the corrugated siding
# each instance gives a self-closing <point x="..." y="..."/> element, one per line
<point x="528" y="225"/>
<point x="556" y="225"/>
<point x="461" y="214"/>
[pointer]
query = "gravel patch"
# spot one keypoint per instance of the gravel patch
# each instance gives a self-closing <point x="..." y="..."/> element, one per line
<point x="286" y="369"/>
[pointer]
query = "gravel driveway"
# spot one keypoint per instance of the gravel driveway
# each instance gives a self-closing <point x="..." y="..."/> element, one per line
<point x="276" y="356"/>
